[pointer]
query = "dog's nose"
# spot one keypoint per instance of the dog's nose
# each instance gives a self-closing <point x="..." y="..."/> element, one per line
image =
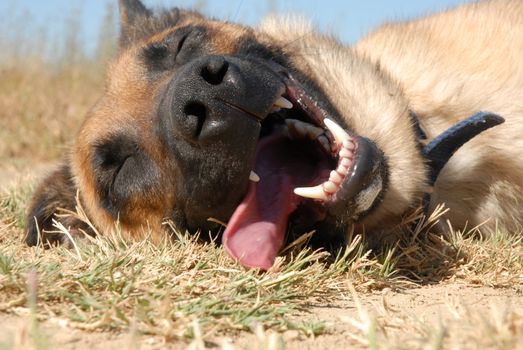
<point x="214" y="70"/>
<point x="209" y="117"/>
<point x="212" y="97"/>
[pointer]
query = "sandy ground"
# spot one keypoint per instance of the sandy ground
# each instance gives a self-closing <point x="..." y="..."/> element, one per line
<point x="429" y="305"/>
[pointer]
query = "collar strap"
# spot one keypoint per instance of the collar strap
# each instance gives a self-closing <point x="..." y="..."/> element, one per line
<point x="440" y="149"/>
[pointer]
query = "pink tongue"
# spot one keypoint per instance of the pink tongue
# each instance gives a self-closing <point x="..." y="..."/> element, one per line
<point x="256" y="231"/>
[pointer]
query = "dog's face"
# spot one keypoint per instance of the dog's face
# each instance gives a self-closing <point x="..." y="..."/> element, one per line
<point x="206" y="122"/>
<point x="175" y="134"/>
<point x="194" y="111"/>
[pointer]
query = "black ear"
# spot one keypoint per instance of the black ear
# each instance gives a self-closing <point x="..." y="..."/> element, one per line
<point x="132" y="13"/>
<point x="57" y="191"/>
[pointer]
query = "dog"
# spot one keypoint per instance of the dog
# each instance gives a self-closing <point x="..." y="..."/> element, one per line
<point x="280" y="128"/>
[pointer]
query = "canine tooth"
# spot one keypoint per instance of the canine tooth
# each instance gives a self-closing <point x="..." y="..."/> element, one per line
<point x="283" y="103"/>
<point x="345" y="153"/>
<point x="254" y="177"/>
<point x="316" y="192"/>
<point x="335" y="177"/>
<point x="330" y="187"/>
<point x="313" y="132"/>
<point x="337" y="131"/>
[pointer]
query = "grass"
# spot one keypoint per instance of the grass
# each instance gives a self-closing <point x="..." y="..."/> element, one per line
<point x="48" y="83"/>
<point x="190" y="293"/>
<point x="41" y="109"/>
<point x="169" y="288"/>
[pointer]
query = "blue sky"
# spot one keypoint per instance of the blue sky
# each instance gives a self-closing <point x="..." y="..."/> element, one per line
<point x="349" y="19"/>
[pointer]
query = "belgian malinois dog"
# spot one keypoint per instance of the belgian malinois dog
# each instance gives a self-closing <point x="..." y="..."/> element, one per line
<point x="279" y="127"/>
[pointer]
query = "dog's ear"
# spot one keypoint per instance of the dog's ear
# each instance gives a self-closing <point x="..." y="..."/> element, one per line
<point x="57" y="191"/>
<point x="132" y="13"/>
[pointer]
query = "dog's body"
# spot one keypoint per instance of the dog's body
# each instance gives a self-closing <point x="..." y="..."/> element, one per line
<point x="137" y="160"/>
<point x="451" y="65"/>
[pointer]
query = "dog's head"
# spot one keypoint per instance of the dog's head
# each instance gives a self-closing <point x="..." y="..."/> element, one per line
<point x="195" y="110"/>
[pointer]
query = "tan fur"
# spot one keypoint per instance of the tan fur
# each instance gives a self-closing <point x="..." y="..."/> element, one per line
<point x="445" y="68"/>
<point x="373" y="106"/>
<point x="127" y="106"/>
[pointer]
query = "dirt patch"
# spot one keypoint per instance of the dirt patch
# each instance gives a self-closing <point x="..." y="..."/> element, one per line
<point x="452" y="307"/>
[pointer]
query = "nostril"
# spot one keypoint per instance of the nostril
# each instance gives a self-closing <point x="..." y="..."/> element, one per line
<point x="214" y="71"/>
<point x="196" y="113"/>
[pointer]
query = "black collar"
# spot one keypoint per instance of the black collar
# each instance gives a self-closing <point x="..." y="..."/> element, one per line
<point x="440" y="149"/>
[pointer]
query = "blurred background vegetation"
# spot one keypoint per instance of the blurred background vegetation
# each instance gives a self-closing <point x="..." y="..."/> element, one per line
<point x="47" y="83"/>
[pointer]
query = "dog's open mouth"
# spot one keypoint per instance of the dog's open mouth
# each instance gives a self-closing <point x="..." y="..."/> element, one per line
<point x="305" y="163"/>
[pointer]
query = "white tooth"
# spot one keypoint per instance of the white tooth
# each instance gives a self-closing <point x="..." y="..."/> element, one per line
<point x="345" y="162"/>
<point x="348" y="144"/>
<point x="254" y="177"/>
<point x="337" y="131"/>
<point x="316" y="192"/>
<point x="296" y="128"/>
<point x="301" y="129"/>
<point x="345" y="153"/>
<point x="330" y="187"/>
<point x="335" y="177"/>
<point x="283" y="103"/>
<point x="313" y="132"/>
<point x="274" y="109"/>
<point x="324" y="142"/>
<point x="342" y="170"/>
